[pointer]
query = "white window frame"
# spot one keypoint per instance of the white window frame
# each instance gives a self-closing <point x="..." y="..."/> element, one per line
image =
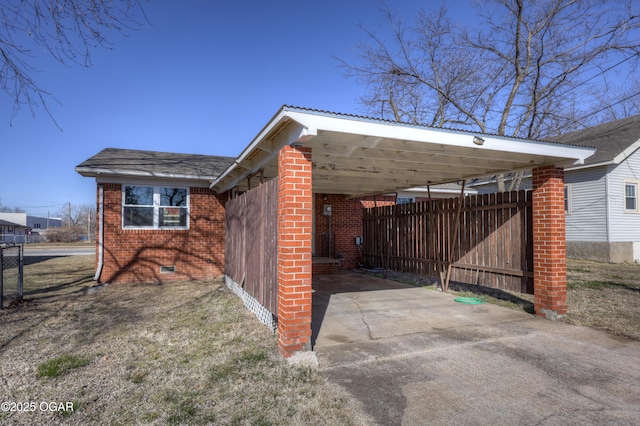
<point x="635" y="184"/>
<point x="567" y="199"/>
<point x="156" y="207"/>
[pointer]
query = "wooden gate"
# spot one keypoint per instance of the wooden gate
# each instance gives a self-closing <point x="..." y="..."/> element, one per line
<point x="251" y="244"/>
<point x="493" y="246"/>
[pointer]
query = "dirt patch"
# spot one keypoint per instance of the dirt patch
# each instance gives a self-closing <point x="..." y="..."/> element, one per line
<point x="605" y="296"/>
<point x="179" y="353"/>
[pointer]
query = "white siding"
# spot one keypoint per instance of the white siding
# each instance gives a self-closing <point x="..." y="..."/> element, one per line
<point x="625" y="226"/>
<point x="587" y="219"/>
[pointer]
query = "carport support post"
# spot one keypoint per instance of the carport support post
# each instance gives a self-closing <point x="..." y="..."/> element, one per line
<point x="549" y="245"/>
<point x="294" y="249"/>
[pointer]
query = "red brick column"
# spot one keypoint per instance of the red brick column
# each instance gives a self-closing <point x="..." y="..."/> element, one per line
<point x="294" y="249"/>
<point x="549" y="243"/>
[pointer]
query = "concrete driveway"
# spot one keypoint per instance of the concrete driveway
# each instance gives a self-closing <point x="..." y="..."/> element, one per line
<point x="413" y="356"/>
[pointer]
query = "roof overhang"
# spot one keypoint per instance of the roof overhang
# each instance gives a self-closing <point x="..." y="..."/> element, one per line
<point x="359" y="156"/>
<point x="615" y="161"/>
<point x="97" y="173"/>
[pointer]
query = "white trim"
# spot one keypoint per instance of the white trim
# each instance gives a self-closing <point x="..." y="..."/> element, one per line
<point x="568" y="204"/>
<point x="635" y="184"/>
<point x="627" y="152"/>
<point x="155" y="181"/>
<point x="401" y="131"/>
<point x="393" y="150"/>
<point x="95" y="172"/>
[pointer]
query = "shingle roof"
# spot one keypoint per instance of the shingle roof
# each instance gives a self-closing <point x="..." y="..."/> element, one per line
<point x="610" y="139"/>
<point x="130" y="162"/>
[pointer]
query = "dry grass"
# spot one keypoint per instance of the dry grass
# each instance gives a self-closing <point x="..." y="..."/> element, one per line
<point x="181" y="353"/>
<point x="605" y="296"/>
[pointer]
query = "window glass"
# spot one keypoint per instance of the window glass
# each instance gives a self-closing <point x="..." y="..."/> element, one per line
<point x="138" y="195"/>
<point x="404" y="200"/>
<point x="137" y="216"/>
<point x="173" y="196"/>
<point x="630" y="198"/>
<point x="173" y="216"/>
<point x="155" y="207"/>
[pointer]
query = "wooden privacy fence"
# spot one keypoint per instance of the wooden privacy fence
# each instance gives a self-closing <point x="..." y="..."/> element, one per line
<point x="492" y="247"/>
<point x="251" y="250"/>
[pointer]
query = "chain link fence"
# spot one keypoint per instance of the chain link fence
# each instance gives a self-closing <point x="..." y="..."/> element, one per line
<point x="11" y="273"/>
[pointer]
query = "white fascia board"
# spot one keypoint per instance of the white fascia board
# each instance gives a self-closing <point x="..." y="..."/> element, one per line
<point x="627" y="152"/>
<point x="95" y="172"/>
<point x="588" y="166"/>
<point x="293" y="135"/>
<point x="315" y="122"/>
<point x="152" y="181"/>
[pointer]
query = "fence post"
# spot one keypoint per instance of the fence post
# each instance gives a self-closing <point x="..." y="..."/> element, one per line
<point x="20" y="272"/>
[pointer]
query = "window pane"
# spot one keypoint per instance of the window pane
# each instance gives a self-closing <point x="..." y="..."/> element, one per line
<point x="173" y="197"/>
<point x="138" y="216"/>
<point x="404" y="200"/>
<point x="630" y="190"/>
<point x="138" y="196"/>
<point x="630" y="197"/>
<point x="173" y="216"/>
<point x="630" y="204"/>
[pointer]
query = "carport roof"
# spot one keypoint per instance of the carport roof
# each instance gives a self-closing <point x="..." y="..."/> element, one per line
<point x="358" y="156"/>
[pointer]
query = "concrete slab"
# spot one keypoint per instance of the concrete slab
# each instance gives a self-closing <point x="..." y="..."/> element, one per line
<point x="414" y="356"/>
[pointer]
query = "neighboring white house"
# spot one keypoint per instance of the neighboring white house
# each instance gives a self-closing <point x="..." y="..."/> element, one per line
<point x="602" y="196"/>
<point x="13" y="227"/>
<point x="21" y="228"/>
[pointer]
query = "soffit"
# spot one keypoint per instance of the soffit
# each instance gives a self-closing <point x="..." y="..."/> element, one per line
<point x="358" y="156"/>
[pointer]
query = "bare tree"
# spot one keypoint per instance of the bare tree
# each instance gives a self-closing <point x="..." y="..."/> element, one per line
<point x="7" y="209"/>
<point x="76" y="215"/>
<point x="526" y="68"/>
<point x="66" y="30"/>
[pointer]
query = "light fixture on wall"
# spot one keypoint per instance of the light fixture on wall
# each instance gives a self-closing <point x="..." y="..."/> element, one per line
<point x="478" y="140"/>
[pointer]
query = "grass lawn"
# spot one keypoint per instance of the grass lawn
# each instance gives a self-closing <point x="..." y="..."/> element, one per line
<point x="180" y="353"/>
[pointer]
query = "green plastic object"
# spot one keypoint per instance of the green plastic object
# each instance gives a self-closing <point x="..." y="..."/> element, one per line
<point x="469" y="300"/>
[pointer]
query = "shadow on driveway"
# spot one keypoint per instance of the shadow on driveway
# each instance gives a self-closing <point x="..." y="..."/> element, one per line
<point x="415" y="356"/>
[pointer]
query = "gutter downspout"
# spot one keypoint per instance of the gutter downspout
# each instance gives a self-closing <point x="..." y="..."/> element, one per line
<point x="100" y="218"/>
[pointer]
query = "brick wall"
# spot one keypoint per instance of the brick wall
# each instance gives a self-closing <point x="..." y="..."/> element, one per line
<point x="137" y="255"/>
<point x="294" y="249"/>
<point x="346" y="224"/>
<point x="549" y="243"/>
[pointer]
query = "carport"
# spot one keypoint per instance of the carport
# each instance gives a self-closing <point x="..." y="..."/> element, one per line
<point x="317" y="152"/>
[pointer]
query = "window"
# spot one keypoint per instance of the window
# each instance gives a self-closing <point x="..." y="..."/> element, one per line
<point x="631" y="197"/>
<point x="405" y="200"/>
<point x="567" y="199"/>
<point x="155" y="207"/>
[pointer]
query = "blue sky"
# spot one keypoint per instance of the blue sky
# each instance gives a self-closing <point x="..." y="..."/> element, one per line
<point x="203" y="77"/>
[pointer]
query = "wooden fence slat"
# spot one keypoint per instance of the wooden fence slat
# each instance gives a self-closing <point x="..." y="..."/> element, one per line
<point x="251" y="243"/>
<point x="493" y="246"/>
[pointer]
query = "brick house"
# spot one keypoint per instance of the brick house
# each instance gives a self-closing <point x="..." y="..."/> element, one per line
<point x="159" y="220"/>
<point x="164" y="214"/>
